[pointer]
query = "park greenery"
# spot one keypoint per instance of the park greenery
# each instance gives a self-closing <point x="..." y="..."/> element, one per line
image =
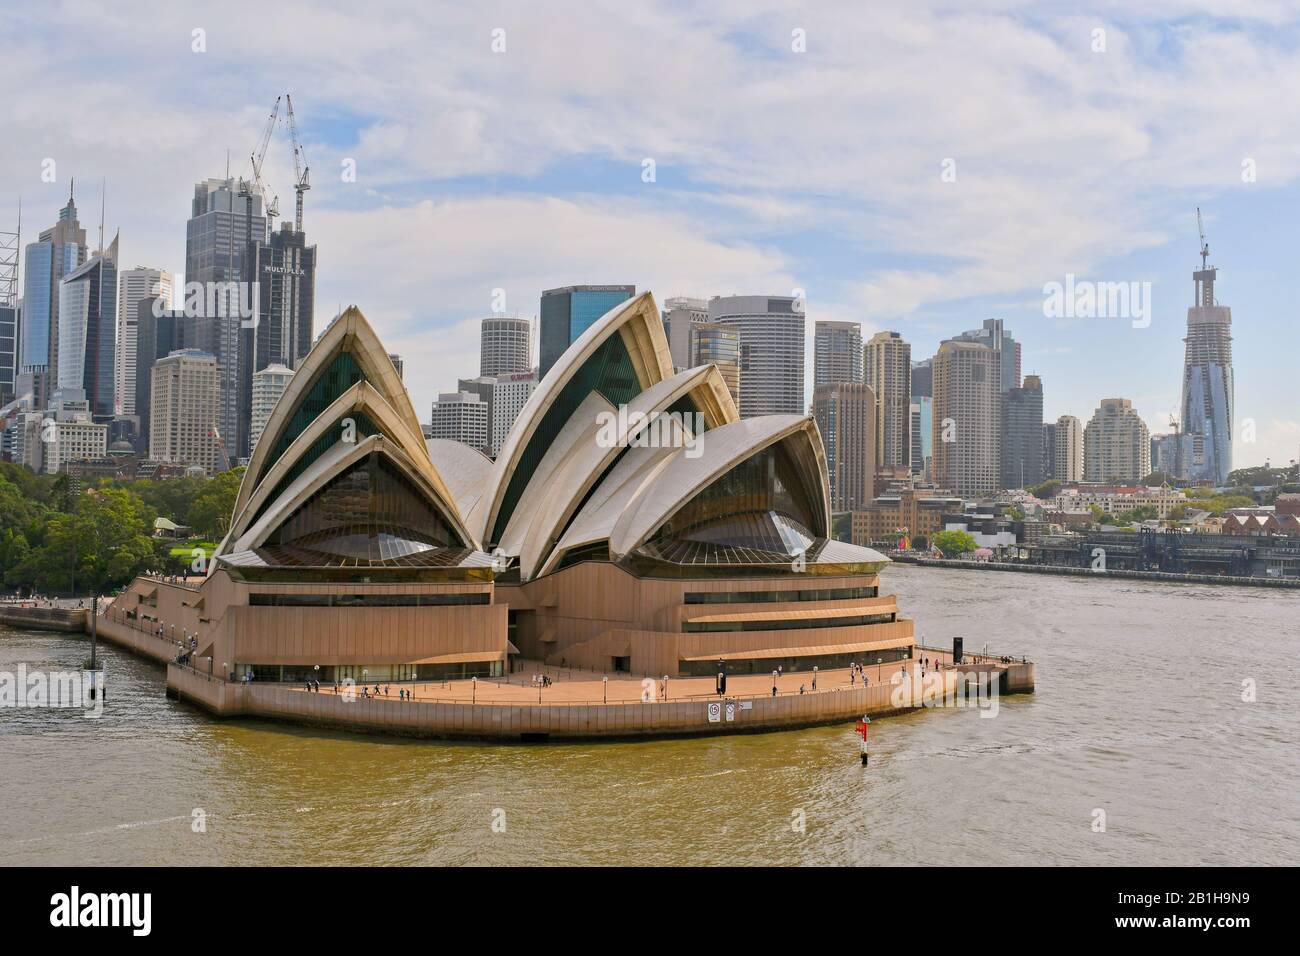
<point x="57" y="538"/>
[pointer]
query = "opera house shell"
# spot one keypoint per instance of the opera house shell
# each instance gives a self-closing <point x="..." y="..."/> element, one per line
<point x="631" y="522"/>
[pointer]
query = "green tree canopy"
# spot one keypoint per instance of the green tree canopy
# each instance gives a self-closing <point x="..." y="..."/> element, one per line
<point x="954" y="544"/>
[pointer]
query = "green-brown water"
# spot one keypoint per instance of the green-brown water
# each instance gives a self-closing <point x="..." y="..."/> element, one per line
<point x="1138" y="713"/>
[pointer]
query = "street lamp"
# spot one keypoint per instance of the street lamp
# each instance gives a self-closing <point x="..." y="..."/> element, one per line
<point x="605" y="689"/>
<point x="665" y="687"/>
<point x="473" y="689"/>
<point x="774" y="676"/>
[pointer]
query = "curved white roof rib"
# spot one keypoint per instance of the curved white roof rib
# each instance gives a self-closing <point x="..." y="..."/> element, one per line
<point x="638" y="322"/>
<point x="348" y="331"/>
<point x="571" y="468"/>
<point x="328" y="466"/>
<point x="683" y="478"/>
<point x="360" y="397"/>
<point x="465" y="470"/>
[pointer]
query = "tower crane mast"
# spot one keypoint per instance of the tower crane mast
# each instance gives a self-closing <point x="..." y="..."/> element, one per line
<point x="301" y="171"/>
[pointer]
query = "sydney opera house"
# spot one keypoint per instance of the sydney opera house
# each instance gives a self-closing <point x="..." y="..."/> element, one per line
<point x="632" y="522"/>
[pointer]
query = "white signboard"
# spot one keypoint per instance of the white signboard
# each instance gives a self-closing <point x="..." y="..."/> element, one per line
<point x="731" y="711"/>
<point x="715" y="712"/>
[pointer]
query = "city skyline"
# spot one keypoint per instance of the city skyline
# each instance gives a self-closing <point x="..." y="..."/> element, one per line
<point x="475" y="216"/>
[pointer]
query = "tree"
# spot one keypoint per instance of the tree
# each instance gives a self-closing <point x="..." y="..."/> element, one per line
<point x="210" y="512"/>
<point x="1155" y="479"/>
<point x="954" y="544"/>
<point x="1048" y="489"/>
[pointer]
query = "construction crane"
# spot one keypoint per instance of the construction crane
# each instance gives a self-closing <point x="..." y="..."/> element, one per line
<point x="257" y="157"/>
<point x="301" y="171"/>
<point x="1205" y="246"/>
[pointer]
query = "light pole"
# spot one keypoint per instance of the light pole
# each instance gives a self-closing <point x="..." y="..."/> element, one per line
<point x="473" y="690"/>
<point x="605" y="689"/>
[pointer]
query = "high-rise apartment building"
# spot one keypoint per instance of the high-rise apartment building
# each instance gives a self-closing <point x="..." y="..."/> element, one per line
<point x="462" y="417"/>
<point x="398" y="364"/>
<point x="846" y="417"/>
<point x="837" y="353"/>
<point x="967" y="417"/>
<point x="1067" y="465"/>
<point x="889" y="373"/>
<point x="268" y="385"/>
<point x="58" y="251"/>
<point x="505" y="396"/>
<point x="226" y="226"/>
<point x="87" y="331"/>
<point x="1208" y="398"/>
<point x="1022" y="434"/>
<point x="771" y="332"/>
<point x="569" y="311"/>
<point x="133" y="287"/>
<point x="505" y="345"/>
<point x="1116" y="443"/>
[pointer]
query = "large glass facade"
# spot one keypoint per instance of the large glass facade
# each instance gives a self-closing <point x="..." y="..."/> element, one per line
<point x="760" y="505"/>
<point x="608" y="371"/>
<point x="335" y="379"/>
<point x="369" y="514"/>
<point x="365" y="427"/>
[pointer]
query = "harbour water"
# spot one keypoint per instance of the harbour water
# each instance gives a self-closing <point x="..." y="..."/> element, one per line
<point x="1139" y="713"/>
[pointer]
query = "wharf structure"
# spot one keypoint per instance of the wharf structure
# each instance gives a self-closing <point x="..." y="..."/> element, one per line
<point x="632" y="524"/>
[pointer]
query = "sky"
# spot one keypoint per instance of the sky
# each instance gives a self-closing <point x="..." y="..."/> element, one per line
<point x="915" y="166"/>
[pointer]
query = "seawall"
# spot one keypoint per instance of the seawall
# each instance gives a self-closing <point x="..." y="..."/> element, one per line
<point x="540" y="722"/>
<point x="1167" y="576"/>
<point x="67" y="619"/>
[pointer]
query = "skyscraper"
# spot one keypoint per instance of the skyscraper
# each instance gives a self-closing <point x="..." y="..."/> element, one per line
<point x="1067" y="464"/>
<point x="846" y="417"/>
<point x="184" y="391"/>
<point x="226" y="225"/>
<point x="505" y="345"/>
<point x="995" y="336"/>
<point x="10" y="316"/>
<point x="967" y="413"/>
<point x="159" y="332"/>
<point x="771" y="331"/>
<point x="285" y="268"/>
<point x="1116" y="443"/>
<point x="713" y="343"/>
<point x="837" y="353"/>
<point x="682" y="315"/>
<point x="569" y="311"/>
<point x="1207" y="400"/>
<point x="1049" y="450"/>
<point x="87" y="329"/>
<point x="462" y="417"/>
<point x="58" y="251"/>
<point x="1022" y="434"/>
<point x="505" y="396"/>
<point x="134" y="286"/>
<point x="889" y="373"/>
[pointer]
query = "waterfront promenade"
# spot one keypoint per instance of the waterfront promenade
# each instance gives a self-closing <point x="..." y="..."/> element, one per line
<point x="575" y="686"/>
